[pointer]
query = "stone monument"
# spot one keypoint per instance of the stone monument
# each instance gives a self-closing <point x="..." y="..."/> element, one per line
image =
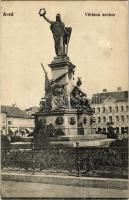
<point x="65" y="106"/>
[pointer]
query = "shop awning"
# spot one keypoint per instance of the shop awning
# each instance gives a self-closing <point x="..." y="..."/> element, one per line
<point x="30" y="130"/>
<point x="13" y="130"/>
<point x="23" y="130"/>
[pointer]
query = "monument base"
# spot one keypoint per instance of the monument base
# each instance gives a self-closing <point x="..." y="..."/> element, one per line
<point x="70" y="126"/>
<point x="66" y="122"/>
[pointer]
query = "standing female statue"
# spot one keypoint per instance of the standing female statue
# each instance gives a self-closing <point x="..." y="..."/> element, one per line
<point x="61" y="34"/>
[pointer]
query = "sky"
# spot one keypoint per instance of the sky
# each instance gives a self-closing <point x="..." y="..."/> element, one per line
<point x="97" y="47"/>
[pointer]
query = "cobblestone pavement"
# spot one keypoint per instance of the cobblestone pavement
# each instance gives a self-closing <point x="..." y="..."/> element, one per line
<point x="27" y="189"/>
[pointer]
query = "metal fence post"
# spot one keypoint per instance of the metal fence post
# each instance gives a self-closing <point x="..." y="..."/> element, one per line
<point x="33" y="157"/>
<point x="77" y="157"/>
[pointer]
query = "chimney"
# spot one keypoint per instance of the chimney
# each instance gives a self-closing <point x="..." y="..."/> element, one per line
<point x="119" y="89"/>
<point x="104" y="90"/>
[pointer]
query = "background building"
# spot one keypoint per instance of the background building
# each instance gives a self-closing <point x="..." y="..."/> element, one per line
<point x="32" y="110"/>
<point x="15" y="121"/>
<point x="111" y="109"/>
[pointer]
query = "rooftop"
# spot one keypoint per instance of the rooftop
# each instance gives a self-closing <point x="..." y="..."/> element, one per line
<point x="13" y="111"/>
<point x="33" y="109"/>
<point x="117" y="95"/>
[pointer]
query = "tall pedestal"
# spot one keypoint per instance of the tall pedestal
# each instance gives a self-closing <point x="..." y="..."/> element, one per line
<point x="63" y="74"/>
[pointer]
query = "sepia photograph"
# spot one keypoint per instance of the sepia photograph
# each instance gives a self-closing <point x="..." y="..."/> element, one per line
<point x="64" y="100"/>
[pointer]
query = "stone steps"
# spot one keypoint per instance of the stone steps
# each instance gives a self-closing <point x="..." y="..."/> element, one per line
<point x="85" y="143"/>
<point x="82" y="137"/>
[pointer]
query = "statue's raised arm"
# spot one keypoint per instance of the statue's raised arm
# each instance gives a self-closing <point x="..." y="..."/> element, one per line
<point x="42" y="13"/>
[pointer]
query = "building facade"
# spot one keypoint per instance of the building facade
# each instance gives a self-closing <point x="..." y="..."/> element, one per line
<point x="32" y="110"/>
<point x="14" y="121"/>
<point x="111" y="109"/>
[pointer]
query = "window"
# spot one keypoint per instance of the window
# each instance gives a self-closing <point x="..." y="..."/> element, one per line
<point x="126" y="130"/>
<point x="93" y="109"/>
<point x="122" y="130"/>
<point x="99" y="130"/>
<point x="99" y="119"/>
<point x="3" y="119"/>
<point x="116" y="108"/>
<point x="122" y="108"/>
<point x="110" y="109"/>
<point x="104" y="130"/>
<point x="98" y="109"/>
<point x="9" y="122"/>
<point x="117" y="129"/>
<point x="122" y="118"/>
<point x="110" y="118"/>
<point x="127" y="118"/>
<point x="103" y="109"/>
<point x="104" y="119"/>
<point x="127" y="108"/>
<point x="117" y="118"/>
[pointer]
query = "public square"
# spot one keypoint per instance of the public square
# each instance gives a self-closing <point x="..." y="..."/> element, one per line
<point x="37" y="190"/>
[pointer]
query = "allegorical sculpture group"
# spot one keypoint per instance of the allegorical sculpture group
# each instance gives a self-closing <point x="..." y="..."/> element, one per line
<point x="56" y="94"/>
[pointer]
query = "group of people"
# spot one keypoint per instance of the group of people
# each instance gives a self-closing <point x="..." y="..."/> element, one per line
<point x="15" y="136"/>
<point x="111" y="133"/>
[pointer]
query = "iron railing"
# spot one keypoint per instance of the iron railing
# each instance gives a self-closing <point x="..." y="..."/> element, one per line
<point x="88" y="161"/>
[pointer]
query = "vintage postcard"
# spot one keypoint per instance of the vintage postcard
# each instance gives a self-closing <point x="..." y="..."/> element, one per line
<point x="64" y="99"/>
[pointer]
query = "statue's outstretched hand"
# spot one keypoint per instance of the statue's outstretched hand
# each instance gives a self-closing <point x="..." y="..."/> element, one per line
<point x="42" y="12"/>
